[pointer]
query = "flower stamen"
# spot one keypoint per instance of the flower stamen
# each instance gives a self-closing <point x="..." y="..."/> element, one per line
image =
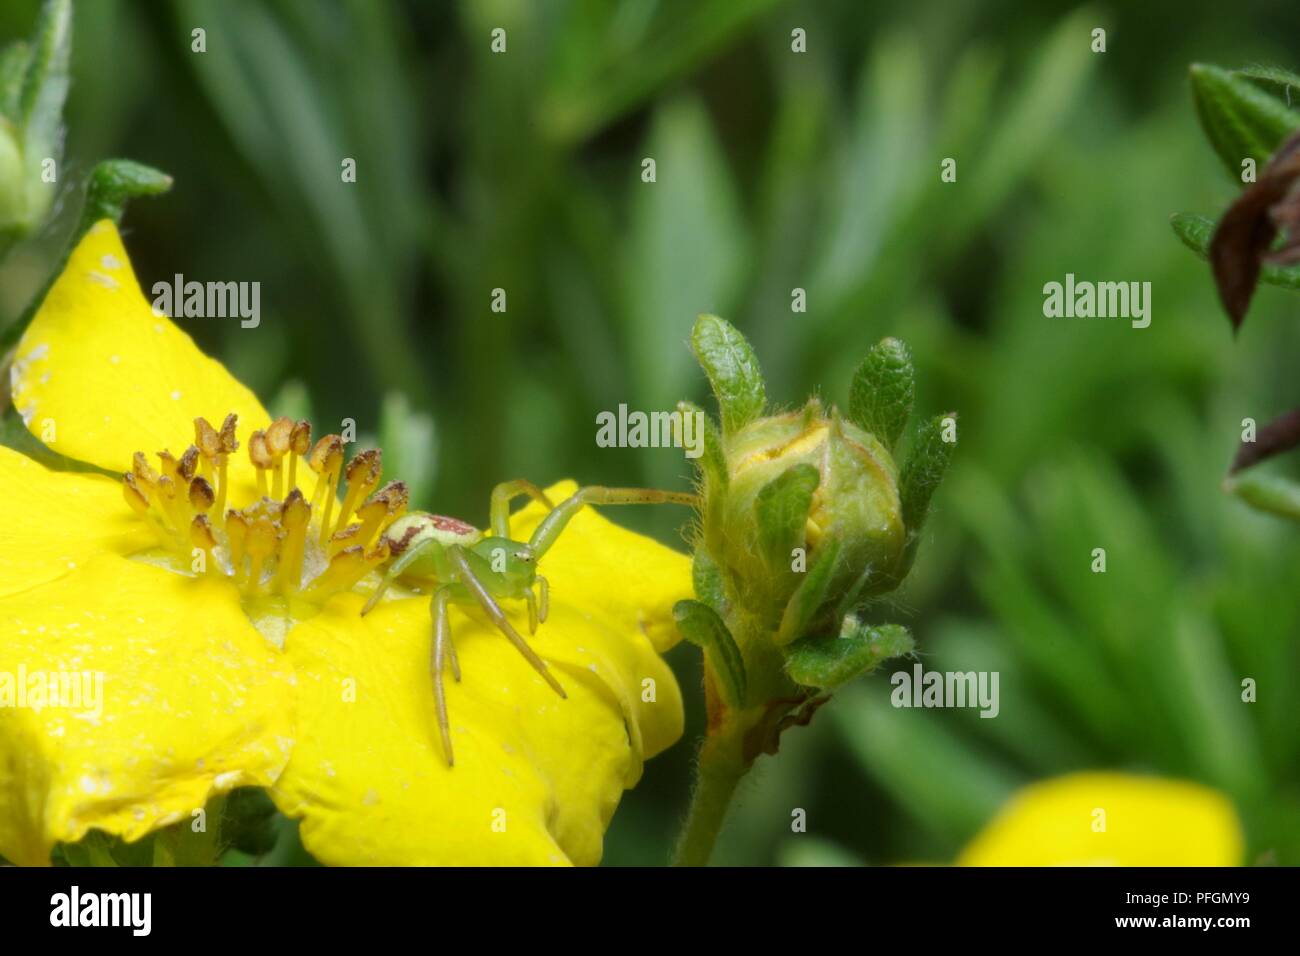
<point x="273" y="548"/>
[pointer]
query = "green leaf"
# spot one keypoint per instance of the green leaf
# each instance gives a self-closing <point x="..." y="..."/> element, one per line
<point x="781" y="509"/>
<point x="732" y="368"/>
<point x="113" y="183"/>
<point x="808" y="598"/>
<point x="714" y="460"/>
<point x="830" y="661"/>
<point x="1264" y="492"/>
<point x="884" y="386"/>
<point x="701" y="625"/>
<point x="13" y="72"/>
<point x="706" y="580"/>
<point x="44" y="87"/>
<point x="1197" y="231"/>
<point x="923" y="471"/>
<point x="1240" y="119"/>
<point x="1283" y="84"/>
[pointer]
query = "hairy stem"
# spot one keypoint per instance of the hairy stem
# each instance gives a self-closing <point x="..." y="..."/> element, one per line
<point x="720" y="768"/>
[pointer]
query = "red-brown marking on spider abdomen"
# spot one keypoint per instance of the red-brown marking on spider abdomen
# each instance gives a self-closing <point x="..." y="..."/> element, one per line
<point x="451" y="525"/>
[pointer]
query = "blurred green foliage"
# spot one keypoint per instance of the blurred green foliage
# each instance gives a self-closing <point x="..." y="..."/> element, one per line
<point x="775" y="170"/>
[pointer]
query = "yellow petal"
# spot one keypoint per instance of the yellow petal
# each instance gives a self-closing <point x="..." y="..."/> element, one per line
<point x="98" y="376"/>
<point x="51" y="522"/>
<point x="537" y="777"/>
<point x="629" y="576"/>
<point x="1111" y="819"/>
<point x="193" y="702"/>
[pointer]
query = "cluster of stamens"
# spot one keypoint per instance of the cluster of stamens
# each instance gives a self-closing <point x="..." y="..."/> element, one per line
<point x="279" y="544"/>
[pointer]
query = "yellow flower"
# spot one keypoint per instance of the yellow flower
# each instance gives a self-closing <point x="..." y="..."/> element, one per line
<point x="222" y="614"/>
<point x="1110" y="819"/>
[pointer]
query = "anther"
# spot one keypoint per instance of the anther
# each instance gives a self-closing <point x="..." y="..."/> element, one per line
<point x="186" y="467"/>
<point x="277" y="443"/>
<point x="259" y="452"/>
<point x="201" y="535"/>
<point x="294" y="517"/>
<point x="384" y="507"/>
<point x="299" y="445"/>
<point x="138" y="501"/>
<point x="202" y="496"/>
<point x="326" y="460"/>
<point x="363" y="473"/>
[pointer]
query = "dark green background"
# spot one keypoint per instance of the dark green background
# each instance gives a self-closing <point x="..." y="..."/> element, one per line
<point x="775" y="170"/>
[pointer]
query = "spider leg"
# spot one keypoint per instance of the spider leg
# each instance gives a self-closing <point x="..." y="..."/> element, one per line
<point x="398" y="568"/>
<point x="507" y="492"/>
<point x="554" y="523"/>
<point x="441" y="646"/>
<point x="543" y="599"/>
<point x="531" y="598"/>
<point x="493" y="610"/>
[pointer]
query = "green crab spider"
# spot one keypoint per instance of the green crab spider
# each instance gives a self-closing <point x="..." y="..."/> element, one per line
<point x="467" y="566"/>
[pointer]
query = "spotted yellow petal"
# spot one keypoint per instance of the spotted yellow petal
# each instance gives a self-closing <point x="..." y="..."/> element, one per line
<point x="536" y="777"/>
<point x="1111" y="819"/>
<point x="179" y="699"/>
<point x="99" y="376"/>
<point x="52" y="522"/>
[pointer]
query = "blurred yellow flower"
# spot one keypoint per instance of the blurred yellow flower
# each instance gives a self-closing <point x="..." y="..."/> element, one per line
<point x="212" y="677"/>
<point x="1110" y="819"/>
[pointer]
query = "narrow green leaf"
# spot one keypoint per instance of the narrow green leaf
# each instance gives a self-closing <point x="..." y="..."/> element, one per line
<point x="732" y="368"/>
<point x="808" y="598"/>
<point x="1197" y="231"/>
<point x="1264" y="492"/>
<point x="701" y="625"/>
<point x="830" y="661"/>
<point x="924" y="470"/>
<point x="884" y="386"/>
<point x="781" y="509"/>
<point x="1240" y="119"/>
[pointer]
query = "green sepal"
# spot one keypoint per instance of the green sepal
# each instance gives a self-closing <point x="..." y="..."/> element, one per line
<point x="706" y="580"/>
<point x="883" y="389"/>
<point x="808" y="598"/>
<point x="1264" y="492"/>
<point x="701" y="625"/>
<point x="714" y="459"/>
<point x="732" y="369"/>
<point x="1197" y="231"/>
<point x="1240" y="118"/>
<point x="781" y="510"/>
<point x="112" y="184"/>
<point x="923" y="471"/>
<point x="830" y="661"/>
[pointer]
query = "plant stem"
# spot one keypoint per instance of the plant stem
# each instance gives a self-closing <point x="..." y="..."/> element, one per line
<point x="720" y="768"/>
